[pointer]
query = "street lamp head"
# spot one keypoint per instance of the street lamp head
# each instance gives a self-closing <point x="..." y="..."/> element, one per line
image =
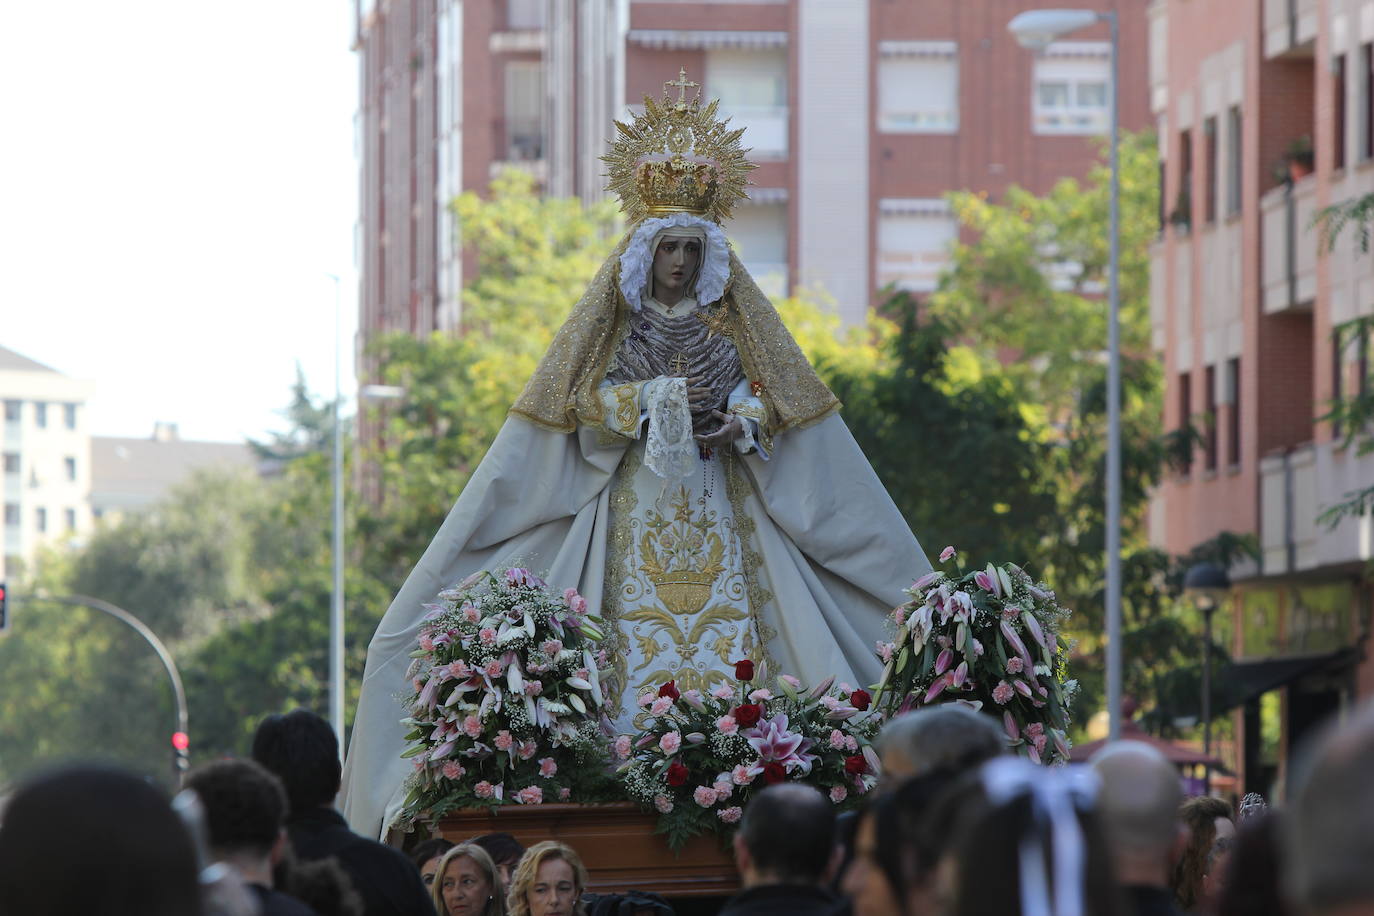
<point x="1207" y="584"/>
<point x="1036" y="29"/>
<point x="382" y="392"/>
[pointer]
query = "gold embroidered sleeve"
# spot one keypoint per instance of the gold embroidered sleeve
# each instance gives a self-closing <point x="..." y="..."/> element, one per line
<point x="620" y="408"/>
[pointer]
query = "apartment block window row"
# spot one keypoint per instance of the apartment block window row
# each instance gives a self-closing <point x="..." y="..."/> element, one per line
<point x="1350" y="364"/>
<point x="1234" y="159"/>
<point x="752" y="88"/>
<point x="11" y="515"/>
<point x="1339" y="75"/>
<point x="1070" y="89"/>
<point x="14" y="410"/>
<point x="69" y="466"/>
<point x="11" y="462"/>
<point x="918" y="87"/>
<point x="1365" y="78"/>
<point x="914" y="239"/>
<point x="40" y="414"/>
<point x="40" y="520"/>
<point x="1185" y="419"/>
<point x="1233" y="412"/>
<point x="524" y="110"/>
<point x="1209" y="436"/>
<point x="1211" y="166"/>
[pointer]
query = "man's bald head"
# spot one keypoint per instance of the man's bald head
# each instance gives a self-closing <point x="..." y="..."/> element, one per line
<point x="1329" y="840"/>
<point x="1139" y="800"/>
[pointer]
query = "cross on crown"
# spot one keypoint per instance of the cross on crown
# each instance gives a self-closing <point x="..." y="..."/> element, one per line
<point x="682" y="83"/>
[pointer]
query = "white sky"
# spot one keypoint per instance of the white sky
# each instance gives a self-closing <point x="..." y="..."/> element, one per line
<point x="176" y="182"/>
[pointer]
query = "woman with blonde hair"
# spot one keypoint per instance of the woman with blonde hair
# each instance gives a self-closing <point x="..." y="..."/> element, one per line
<point x="468" y="884"/>
<point x="549" y="881"/>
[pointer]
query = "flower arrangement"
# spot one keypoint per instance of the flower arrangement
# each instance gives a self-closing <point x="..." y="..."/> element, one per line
<point x="698" y="758"/>
<point x="989" y="639"/>
<point x="507" y="702"/>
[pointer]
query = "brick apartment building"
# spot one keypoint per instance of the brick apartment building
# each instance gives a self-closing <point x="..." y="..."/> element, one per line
<point x="861" y="115"/>
<point x="1243" y="305"/>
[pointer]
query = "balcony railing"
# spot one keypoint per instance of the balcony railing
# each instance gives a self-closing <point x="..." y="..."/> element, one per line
<point x="1289" y="26"/>
<point x="765" y="127"/>
<point x="1294" y="489"/>
<point x="1289" y="254"/>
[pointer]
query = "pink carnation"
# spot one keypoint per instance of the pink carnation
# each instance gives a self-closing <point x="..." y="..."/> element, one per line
<point x="660" y="706"/>
<point x="530" y="795"/>
<point x="837" y="739"/>
<point x="704" y="796"/>
<point x="564" y="793"/>
<point x="426" y="644"/>
<point x="663" y="803"/>
<point x="547" y="767"/>
<point x="727" y="725"/>
<point x="900" y="615"/>
<point x="484" y="789"/>
<point x="494" y="668"/>
<point x="723" y="692"/>
<point x="741" y="775"/>
<point x="1003" y="693"/>
<point x="472" y="726"/>
<point x="646" y="698"/>
<point x="622" y="747"/>
<point x="551" y="647"/>
<point x="527" y="750"/>
<point x="504" y="741"/>
<point x="730" y="815"/>
<point x="838" y="794"/>
<point x="1015" y="665"/>
<point x="487" y="635"/>
<point x="885" y="651"/>
<point x="453" y="770"/>
<point x="470" y="614"/>
<point x="724" y="787"/>
<point x="533" y="688"/>
<point x="763" y="693"/>
<point x="670" y="742"/>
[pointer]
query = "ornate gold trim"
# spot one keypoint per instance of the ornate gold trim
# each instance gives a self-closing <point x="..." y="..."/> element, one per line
<point x="737" y="488"/>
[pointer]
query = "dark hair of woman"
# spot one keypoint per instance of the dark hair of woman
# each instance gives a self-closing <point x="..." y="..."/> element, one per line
<point x="1253" y="874"/>
<point x="1200" y="816"/>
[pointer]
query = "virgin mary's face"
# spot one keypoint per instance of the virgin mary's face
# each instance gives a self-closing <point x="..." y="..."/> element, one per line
<point x="675" y="263"/>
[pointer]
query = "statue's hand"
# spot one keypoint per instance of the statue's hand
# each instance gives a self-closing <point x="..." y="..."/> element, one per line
<point x="731" y="428"/>
<point x="697" y="396"/>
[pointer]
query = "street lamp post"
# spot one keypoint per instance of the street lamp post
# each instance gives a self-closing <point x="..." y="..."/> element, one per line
<point x="1036" y="29"/>
<point x="336" y="604"/>
<point x="1208" y="584"/>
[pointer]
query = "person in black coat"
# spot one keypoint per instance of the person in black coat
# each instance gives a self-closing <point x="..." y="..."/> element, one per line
<point x="783" y="851"/>
<point x="300" y="748"/>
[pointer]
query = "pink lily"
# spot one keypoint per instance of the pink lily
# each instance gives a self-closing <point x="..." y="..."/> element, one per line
<point x="1021" y="687"/>
<point x="1014" y="640"/>
<point x="944" y="660"/>
<point x="1009" y="726"/>
<point x="925" y="580"/>
<point x="1033" y="627"/>
<point x="1032" y="753"/>
<point x="819" y="690"/>
<point x="985" y="582"/>
<point x="936" y="688"/>
<point x="960" y="675"/>
<point x="772" y="741"/>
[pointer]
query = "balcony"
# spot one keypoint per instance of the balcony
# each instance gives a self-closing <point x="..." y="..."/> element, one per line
<point x="765" y="128"/>
<point x="1290" y="28"/>
<point x="1294" y="489"/>
<point x="1289" y="254"/>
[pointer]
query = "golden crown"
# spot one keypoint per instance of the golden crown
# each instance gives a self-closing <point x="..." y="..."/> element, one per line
<point x="677" y="158"/>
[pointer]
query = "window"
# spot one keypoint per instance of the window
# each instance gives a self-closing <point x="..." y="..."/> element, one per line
<point x="1209" y="397"/>
<point x="1182" y="215"/>
<point x="1366" y="77"/>
<point x="70" y="515"/>
<point x="1234" y="145"/>
<point x="40" y="519"/>
<point x="1069" y="94"/>
<point x="524" y="14"/>
<point x="914" y="238"/>
<point x="752" y="88"/>
<point x="1163" y="207"/>
<point x="1185" y="410"/>
<point x="918" y="92"/>
<point x="1233" y="417"/>
<point x="524" y="110"/>
<point x="758" y="233"/>
<point x="12" y="515"/>
<point x="11" y="462"/>
<point x="13" y="410"/>
<point x="40" y="414"/>
<point x="1338" y="103"/>
<point x="69" y="416"/>
<point x="1210" y="164"/>
<point x="69" y="463"/>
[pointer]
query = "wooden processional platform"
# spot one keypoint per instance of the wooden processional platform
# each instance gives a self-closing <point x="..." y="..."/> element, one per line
<point x="617" y="843"/>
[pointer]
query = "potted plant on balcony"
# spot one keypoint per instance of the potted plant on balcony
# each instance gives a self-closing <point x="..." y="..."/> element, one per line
<point x="1299" y="158"/>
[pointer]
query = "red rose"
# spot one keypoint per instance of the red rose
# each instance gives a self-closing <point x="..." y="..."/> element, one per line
<point x="747" y="715"/>
<point x="774" y="773"/>
<point x="744" y="670"/>
<point x="677" y="773"/>
<point x="860" y="699"/>
<point x="856" y="765"/>
<point x="670" y="690"/>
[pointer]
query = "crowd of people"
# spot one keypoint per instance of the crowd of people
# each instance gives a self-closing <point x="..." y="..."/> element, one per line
<point x="956" y="827"/>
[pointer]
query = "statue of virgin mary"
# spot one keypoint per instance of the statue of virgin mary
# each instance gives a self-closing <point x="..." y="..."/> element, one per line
<point x="676" y="459"/>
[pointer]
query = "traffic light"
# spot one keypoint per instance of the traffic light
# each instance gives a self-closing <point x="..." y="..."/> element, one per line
<point x="182" y="742"/>
<point x="4" y="610"/>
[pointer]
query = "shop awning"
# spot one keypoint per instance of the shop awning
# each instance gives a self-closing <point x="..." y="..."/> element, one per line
<point x="1240" y="682"/>
<point x="706" y="39"/>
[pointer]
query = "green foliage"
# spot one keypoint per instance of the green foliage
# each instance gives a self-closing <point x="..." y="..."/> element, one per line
<point x="1353" y="417"/>
<point x="311" y="429"/>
